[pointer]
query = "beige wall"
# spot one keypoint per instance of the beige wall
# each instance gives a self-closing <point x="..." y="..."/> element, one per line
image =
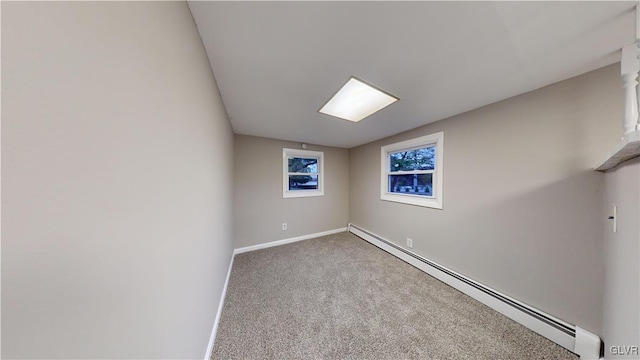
<point x="522" y="205"/>
<point x="116" y="182"/>
<point x="260" y="209"/>
<point x="621" y="317"/>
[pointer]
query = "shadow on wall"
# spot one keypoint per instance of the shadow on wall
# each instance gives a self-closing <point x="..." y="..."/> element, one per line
<point x="542" y="246"/>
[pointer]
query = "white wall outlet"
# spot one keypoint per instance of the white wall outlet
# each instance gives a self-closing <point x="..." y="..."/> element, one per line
<point x="284" y="226"/>
<point x="410" y="243"/>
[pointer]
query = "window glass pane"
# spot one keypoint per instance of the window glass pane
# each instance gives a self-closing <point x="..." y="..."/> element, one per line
<point x="426" y="158"/>
<point x="303" y="165"/>
<point x="420" y="159"/>
<point x="412" y="184"/>
<point x="402" y="161"/>
<point x="303" y="182"/>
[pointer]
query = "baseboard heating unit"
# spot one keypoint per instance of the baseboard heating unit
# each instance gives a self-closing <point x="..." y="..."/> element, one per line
<point x="571" y="337"/>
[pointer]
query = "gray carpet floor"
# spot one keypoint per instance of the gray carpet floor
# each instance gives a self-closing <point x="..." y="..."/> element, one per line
<point x="339" y="297"/>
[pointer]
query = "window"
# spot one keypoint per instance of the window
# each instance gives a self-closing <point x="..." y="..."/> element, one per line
<point x="303" y="173"/>
<point x="411" y="171"/>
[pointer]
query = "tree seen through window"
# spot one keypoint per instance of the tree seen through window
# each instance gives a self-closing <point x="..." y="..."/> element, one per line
<point x="298" y="170"/>
<point x="410" y="171"/>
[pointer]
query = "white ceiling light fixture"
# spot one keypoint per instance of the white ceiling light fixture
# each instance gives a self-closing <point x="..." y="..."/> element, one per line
<point x="356" y="100"/>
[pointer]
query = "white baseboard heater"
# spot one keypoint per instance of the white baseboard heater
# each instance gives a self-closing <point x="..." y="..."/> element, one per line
<point x="571" y="337"/>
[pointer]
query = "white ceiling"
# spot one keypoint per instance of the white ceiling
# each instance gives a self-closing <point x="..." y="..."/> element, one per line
<point x="277" y="63"/>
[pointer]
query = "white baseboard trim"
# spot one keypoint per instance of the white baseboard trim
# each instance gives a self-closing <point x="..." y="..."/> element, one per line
<point x="288" y="241"/>
<point x="212" y="339"/>
<point x="573" y="338"/>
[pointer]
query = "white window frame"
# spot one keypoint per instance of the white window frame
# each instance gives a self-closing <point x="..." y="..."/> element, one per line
<point x="434" y="201"/>
<point x="290" y="153"/>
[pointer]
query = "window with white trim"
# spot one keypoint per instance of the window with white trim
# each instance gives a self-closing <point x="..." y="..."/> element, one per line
<point x="303" y="173"/>
<point x="411" y="171"/>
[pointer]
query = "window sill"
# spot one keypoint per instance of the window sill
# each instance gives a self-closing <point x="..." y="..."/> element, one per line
<point x="301" y="194"/>
<point x="626" y="150"/>
<point x="412" y="200"/>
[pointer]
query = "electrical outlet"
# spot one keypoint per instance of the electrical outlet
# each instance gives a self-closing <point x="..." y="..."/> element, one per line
<point x="284" y="226"/>
<point x="410" y="243"/>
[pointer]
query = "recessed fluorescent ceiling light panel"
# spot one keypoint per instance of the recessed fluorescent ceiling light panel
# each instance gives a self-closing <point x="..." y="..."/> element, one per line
<point x="357" y="100"/>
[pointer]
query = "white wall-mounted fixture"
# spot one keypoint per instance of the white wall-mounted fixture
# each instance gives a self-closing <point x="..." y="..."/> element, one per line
<point x="304" y="146"/>
<point x="356" y="100"/>
<point x="629" y="70"/>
